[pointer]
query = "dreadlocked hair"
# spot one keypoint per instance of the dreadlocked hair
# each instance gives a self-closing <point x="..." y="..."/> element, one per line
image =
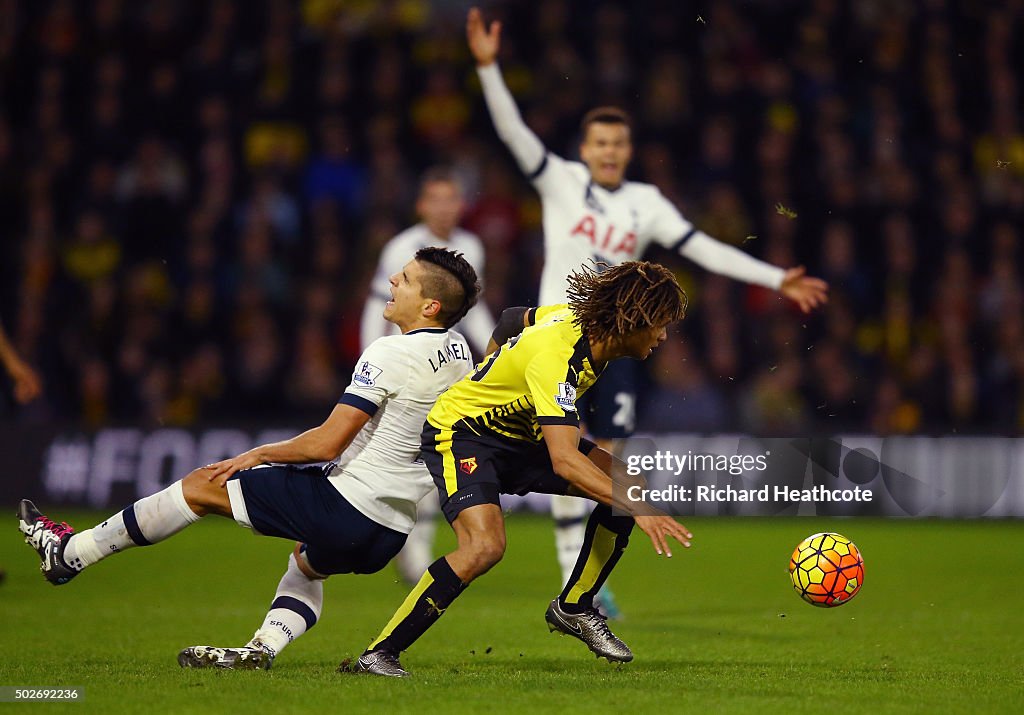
<point x="612" y="301"/>
<point x="451" y="280"/>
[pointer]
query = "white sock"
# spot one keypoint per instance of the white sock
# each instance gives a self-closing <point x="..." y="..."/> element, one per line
<point x="145" y="522"/>
<point x="418" y="553"/>
<point x="296" y="607"/>
<point x="570" y="515"/>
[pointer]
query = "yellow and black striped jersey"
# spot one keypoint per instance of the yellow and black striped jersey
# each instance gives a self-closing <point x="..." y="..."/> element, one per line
<point x="533" y="379"/>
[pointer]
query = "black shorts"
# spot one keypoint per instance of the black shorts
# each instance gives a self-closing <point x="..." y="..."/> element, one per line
<point x="608" y="408"/>
<point x="470" y="470"/>
<point x="301" y="504"/>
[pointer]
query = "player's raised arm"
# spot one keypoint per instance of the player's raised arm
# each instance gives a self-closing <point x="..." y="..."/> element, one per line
<point x="673" y="231"/>
<point x="484" y="42"/>
<point x="807" y="292"/>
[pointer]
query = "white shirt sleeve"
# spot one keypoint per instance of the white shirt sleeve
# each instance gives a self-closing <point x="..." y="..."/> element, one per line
<point x="727" y="260"/>
<point x="525" y="146"/>
<point x="381" y="372"/>
<point x="670" y="229"/>
<point x="667" y="225"/>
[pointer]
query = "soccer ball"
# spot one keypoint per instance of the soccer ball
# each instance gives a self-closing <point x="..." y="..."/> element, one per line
<point x="826" y="569"/>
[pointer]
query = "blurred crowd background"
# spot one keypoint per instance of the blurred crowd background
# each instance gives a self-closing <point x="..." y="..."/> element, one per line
<point x="193" y="196"/>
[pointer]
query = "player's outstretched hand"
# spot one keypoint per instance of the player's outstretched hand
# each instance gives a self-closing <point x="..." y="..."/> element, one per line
<point x="806" y="291"/>
<point x="484" y="41"/>
<point x="222" y="471"/>
<point x="659" y="528"/>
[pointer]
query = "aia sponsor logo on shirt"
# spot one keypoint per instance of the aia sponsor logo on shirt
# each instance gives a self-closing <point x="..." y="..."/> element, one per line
<point x="468" y="465"/>
<point x="608" y="240"/>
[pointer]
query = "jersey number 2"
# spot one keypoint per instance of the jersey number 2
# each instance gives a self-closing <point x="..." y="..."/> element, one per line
<point x="625" y="416"/>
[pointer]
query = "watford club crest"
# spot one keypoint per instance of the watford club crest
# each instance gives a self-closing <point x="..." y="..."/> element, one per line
<point x="468" y="465"/>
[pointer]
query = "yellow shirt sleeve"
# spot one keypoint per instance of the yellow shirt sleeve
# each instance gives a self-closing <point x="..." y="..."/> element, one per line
<point x="552" y="384"/>
<point x="538" y="314"/>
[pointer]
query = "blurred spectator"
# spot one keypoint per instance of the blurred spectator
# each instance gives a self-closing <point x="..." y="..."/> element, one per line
<point x="682" y="398"/>
<point x="333" y="172"/>
<point x="92" y="254"/>
<point x="193" y="192"/>
<point x="773" y="405"/>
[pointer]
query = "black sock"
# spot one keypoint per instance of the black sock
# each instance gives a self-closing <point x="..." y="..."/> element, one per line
<point x="603" y="544"/>
<point x="436" y="590"/>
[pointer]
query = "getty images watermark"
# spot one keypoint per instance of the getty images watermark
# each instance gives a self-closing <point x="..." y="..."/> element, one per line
<point x="742" y="475"/>
<point x="735" y="465"/>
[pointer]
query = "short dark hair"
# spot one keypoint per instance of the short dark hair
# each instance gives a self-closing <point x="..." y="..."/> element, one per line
<point x="611" y="301"/>
<point x="605" y="115"/>
<point x="439" y="174"/>
<point x="451" y="280"/>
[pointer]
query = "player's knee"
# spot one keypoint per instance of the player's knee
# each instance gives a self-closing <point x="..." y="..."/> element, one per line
<point x="492" y="550"/>
<point x="199" y="492"/>
<point x="485" y="551"/>
<point x="302" y="561"/>
<point x="192" y="488"/>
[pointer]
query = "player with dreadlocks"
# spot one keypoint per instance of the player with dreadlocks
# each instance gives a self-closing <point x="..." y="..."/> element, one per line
<point x="512" y="427"/>
<point x="592" y="211"/>
<point x="624" y="299"/>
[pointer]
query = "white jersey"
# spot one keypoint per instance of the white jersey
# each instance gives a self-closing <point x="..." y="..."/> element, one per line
<point x="397" y="380"/>
<point x="584" y="222"/>
<point x="478" y="323"/>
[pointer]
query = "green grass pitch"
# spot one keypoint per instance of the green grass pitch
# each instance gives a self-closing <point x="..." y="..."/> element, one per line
<point x="936" y="628"/>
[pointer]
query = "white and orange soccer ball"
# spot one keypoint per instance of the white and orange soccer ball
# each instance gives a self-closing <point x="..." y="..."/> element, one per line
<point x="827" y="569"/>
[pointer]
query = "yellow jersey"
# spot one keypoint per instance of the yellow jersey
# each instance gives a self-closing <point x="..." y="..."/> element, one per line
<point x="533" y="379"/>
